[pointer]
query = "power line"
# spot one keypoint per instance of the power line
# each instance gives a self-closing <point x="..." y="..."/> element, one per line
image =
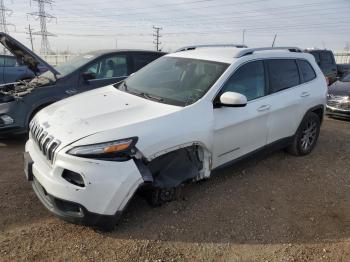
<point x="43" y="17"/>
<point x="157" y="37"/>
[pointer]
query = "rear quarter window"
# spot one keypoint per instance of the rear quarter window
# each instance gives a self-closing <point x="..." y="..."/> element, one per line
<point x="326" y="58"/>
<point x="306" y="70"/>
<point x="283" y="74"/>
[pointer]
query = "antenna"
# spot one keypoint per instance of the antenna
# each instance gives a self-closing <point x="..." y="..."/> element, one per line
<point x="44" y="18"/>
<point x="274" y="40"/>
<point x="243" y="36"/>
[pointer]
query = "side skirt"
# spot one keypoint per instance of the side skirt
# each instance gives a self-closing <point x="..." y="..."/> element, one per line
<point x="265" y="150"/>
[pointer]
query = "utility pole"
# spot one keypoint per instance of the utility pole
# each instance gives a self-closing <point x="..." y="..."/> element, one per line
<point x="157" y="37"/>
<point x="30" y="33"/>
<point x="44" y="18"/>
<point x="243" y="36"/>
<point x="274" y="40"/>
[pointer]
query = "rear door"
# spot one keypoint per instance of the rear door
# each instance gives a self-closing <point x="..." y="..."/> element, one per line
<point x="106" y="70"/>
<point x="286" y="97"/>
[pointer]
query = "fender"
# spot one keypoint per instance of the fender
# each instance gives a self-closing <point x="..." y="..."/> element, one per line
<point x="36" y="109"/>
<point x="314" y="109"/>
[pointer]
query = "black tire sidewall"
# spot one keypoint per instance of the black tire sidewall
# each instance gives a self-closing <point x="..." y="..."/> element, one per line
<point x="313" y="117"/>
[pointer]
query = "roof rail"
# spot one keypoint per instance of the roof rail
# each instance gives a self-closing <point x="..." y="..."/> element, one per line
<point x="249" y="51"/>
<point x="192" y="47"/>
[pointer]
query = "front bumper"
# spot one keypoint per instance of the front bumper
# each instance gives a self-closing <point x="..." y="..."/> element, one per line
<point x="12" y="130"/>
<point x="108" y="186"/>
<point x="332" y="111"/>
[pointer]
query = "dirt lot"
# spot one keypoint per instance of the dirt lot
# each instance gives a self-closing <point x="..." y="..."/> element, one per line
<point x="275" y="208"/>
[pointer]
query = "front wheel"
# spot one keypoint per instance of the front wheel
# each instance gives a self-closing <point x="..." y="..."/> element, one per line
<point x="306" y="137"/>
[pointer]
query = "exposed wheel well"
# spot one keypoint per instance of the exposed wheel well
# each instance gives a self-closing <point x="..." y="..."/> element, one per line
<point x="319" y="111"/>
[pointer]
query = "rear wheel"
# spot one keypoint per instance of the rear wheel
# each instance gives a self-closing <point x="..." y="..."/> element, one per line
<point x="306" y="137"/>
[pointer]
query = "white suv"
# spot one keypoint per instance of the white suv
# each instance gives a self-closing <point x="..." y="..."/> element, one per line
<point x="175" y="120"/>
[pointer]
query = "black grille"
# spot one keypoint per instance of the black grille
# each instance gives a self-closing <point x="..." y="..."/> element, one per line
<point x="45" y="142"/>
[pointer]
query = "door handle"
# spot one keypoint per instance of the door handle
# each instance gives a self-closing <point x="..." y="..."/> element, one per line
<point x="304" y="94"/>
<point x="71" y="92"/>
<point x="264" y="108"/>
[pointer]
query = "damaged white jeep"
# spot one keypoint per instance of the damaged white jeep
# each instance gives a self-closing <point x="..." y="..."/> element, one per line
<point x="176" y="120"/>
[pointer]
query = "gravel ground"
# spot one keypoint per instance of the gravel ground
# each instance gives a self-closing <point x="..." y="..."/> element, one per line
<point x="274" y="208"/>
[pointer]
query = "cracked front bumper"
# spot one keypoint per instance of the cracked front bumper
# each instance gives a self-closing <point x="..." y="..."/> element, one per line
<point x="108" y="185"/>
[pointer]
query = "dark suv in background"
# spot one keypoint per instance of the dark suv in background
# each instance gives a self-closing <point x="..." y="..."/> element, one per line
<point x="20" y="102"/>
<point x="325" y="60"/>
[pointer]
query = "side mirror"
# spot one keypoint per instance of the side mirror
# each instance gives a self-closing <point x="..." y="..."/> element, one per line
<point x="88" y="76"/>
<point x="233" y="99"/>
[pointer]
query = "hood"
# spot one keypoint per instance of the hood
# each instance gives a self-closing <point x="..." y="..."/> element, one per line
<point x="340" y="88"/>
<point x="22" y="53"/>
<point x="96" y="111"/>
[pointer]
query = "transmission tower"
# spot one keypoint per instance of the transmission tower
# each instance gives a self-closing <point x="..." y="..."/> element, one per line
<point x="4" y="13"/>
<point x="44" y="18"/>
<point x="157" y="37"/>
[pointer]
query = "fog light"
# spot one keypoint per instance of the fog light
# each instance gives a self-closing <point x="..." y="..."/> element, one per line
<point x="6" y="120"/>
<point x="73" y="178"/>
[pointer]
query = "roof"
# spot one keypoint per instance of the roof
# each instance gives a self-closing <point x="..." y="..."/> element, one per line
<point x="231" y="54"/>
<point x="219" y="54"/>
<point x="108" y="51"/>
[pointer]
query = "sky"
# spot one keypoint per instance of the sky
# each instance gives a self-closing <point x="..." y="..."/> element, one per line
<point x="84" y="25"/>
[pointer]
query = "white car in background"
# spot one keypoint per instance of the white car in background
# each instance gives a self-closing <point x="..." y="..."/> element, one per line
<point x="175" y="120"/>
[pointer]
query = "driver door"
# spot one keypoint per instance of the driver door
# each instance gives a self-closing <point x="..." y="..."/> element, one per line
<point x="104" y="71"/>
<point x="241" y="130"/>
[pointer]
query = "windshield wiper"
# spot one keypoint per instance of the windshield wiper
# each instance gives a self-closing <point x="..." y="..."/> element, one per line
<point x="152" y="97"/>
<point x="141" y="94"/>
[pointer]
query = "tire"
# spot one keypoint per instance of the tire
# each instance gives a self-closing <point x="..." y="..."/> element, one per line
<point x="306" y="136"/>
<point x="158" y="196"/>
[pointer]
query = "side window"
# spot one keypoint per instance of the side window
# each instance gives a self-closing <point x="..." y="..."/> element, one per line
<point x="317" y="56"/>
<point x="326" y="58"/>
<point x="109" y="67"/>
<point x="10" y="62"/>
<point x="248" y="80"/>
<point x="306" y="70"/>
<point x="141" y="60"/>
<point x="283" y="74"/>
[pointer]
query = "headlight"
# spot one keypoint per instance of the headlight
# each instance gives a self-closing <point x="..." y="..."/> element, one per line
<point x="114" y="150"/>
<point x="6" y="120"/>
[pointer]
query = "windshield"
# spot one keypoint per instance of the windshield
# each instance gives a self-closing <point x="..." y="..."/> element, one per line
<point x="73" y="64"/>
<point x="70" y="66"/>
<point x="346" y="78"/>
<point x="173" y="80"/>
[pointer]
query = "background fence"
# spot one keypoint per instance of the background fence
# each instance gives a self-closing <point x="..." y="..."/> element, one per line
<point x="342" y="58"/>
<point x="57" y="59"/>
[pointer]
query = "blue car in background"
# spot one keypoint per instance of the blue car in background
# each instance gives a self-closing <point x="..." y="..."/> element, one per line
<point x="12" y="70"/>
